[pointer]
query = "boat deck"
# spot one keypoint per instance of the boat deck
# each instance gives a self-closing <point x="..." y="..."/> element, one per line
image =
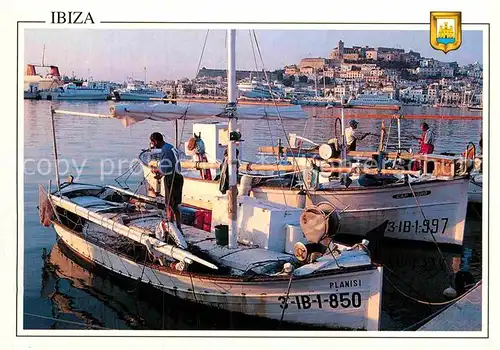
<point x="263" y="261"/>
<point x="463" y="315"/>
<point x="241" y="259"/>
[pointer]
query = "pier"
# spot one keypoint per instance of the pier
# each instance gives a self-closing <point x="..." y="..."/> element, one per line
<point x="463" y="315"/>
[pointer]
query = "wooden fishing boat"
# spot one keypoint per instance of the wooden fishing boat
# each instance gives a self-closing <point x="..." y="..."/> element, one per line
<point x="442" y="201"/>
<point x="258" y="258"/>
<point x="475" y="191"/>
<point x="428" y="207"/>
<point x="103" y="226"/>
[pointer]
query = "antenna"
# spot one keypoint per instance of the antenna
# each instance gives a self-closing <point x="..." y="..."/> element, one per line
<point x="43" y="55"/>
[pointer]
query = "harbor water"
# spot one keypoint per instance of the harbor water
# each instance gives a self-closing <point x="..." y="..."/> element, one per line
<point x="61" y="292"/>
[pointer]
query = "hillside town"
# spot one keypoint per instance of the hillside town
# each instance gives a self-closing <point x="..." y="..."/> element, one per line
<point x="380" y="75"/>
<point x="404" y="76"/>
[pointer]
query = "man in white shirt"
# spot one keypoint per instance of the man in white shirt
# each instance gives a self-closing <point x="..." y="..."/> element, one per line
<point x="351" y="136"/>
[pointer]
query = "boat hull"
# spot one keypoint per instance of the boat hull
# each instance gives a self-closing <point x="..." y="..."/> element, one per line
<point x="475" y="191"/>
<point x="342" y="300"/>
<point x="443" y="203"/>
<point x="50" y="95"/>
<point x="125" y="96"/>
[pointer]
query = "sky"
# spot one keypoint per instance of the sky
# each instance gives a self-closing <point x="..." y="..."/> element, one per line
<point x="115" y="54"/>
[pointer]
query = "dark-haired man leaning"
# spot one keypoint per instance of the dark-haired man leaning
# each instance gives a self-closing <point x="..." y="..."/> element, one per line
<point x="169" y="167"/>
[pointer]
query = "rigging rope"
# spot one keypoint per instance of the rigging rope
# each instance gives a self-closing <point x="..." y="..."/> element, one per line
<point x="253" y="52"/>
<point x="275" y="104"/>
<point x="268" y="123"/>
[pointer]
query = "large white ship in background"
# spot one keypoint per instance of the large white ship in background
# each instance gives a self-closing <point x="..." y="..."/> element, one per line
<point x="372" y="99"/>
<point x="34" y="81"/>
<point x="136" y="91"/>
<point x="252" y="88"/>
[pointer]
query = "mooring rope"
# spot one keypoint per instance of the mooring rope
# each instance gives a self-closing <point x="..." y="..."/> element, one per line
<point x="64" y="321"/>
<point x="432" y="234"/>
<point x="431" y="316"/>
<point x="285" y="304"/>
<point x="423" y="301"/>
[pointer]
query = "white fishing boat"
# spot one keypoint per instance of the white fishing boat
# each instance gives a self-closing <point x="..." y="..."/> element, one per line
<point x="372" y="100"/>
<point x="137" y="92"/>
<point x="71" y="91"/>
<point x="254" y="89"/>
<point x="317" y="101"/>
<point x="423" y="210"/>
<point x="279" y="262"/>
<point x="422" y="207"/>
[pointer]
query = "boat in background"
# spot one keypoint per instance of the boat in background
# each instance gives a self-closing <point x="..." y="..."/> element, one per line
<point x="372" y="100"/>
<point x="136" y="91"/>
<point x="34" y="82"/>
<point x="72" y="91"/>
<point x="31" y="92"/>
<point x="317" y="101"/>
<point x="254" y="89"/>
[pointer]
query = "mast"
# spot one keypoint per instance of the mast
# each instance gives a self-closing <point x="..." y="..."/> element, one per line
<point x="342" y="126"/>
<point x="231" y="107"/>
<point x="56" y="157"/>
<point x="316" y="82"/>
<point x="145" y="82"/>
<point x="399" y="133"/>
<point x="43" y="56"/>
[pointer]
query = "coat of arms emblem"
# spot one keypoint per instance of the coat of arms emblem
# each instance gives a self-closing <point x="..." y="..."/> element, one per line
<point x="446" y="30"/>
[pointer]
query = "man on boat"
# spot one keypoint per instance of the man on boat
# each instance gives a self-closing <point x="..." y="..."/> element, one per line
<point x="169" y="167"/>
<point x="351" y="136"/>
<point x="426" y="140"/>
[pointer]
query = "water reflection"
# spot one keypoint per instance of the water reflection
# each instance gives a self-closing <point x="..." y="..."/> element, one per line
<point x="85" y="297"/>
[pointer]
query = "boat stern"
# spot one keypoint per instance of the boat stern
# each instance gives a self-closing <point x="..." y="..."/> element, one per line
<point x="374" y="304"/>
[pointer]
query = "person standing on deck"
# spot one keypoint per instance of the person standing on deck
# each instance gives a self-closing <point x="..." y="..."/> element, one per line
<point x="426" y="140"/>
<point x="351" y="136"/>
<point x="169" y="167"/>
